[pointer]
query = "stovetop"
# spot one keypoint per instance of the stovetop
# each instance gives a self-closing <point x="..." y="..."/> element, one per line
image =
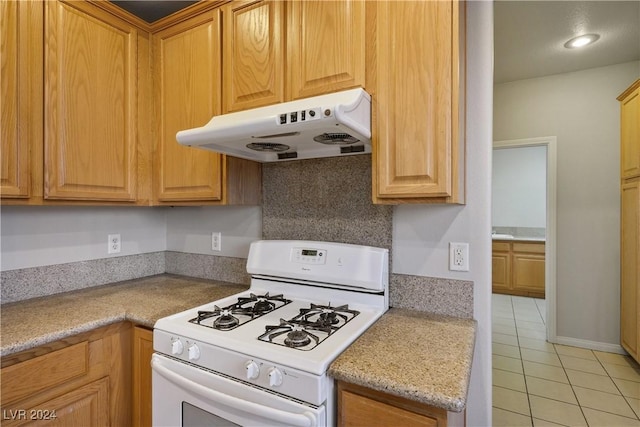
<point x="311" y="326"/>
<point x="300" y="333"/>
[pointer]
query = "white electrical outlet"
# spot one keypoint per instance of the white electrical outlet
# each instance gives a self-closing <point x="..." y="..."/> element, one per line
<point x="458" y="256"/>
<point x="216" y="241"/>
<point x="113" y="244"/>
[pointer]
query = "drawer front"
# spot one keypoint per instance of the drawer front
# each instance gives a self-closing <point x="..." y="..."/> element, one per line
<point x="501" y="246"/>
<point x="41" y="373"/>
<point x="533" y="248"/>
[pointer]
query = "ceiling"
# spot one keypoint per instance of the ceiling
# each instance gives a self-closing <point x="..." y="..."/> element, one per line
<point x="529" y="36"/>
<point x="152" y="10"/>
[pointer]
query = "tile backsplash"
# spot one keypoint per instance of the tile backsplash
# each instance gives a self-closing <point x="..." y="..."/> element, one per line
<point x="324" y="199"/>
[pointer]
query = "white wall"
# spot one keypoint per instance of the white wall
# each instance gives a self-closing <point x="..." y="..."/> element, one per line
<point x="189" y="229"/>
<point x="46" y="235"/>
<point x="519" y="187"/>
<point x="422" y="233"/>
<point x="32" y="236"/>
<point x="581" y="110"/>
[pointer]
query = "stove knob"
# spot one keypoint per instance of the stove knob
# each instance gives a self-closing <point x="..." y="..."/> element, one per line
<point x="275" y="377"/>
<point x="253" y="370"/>
<point x="176" y="347"/>
<point x="194" y="352"/>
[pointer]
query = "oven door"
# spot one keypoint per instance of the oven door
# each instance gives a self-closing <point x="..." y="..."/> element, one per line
<point x="185" y="395"/>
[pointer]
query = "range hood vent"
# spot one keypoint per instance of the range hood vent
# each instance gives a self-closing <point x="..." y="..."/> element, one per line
<point x="336" y="124"/>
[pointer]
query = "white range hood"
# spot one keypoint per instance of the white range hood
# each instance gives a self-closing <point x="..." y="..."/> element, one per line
<point x="330" y="125"/>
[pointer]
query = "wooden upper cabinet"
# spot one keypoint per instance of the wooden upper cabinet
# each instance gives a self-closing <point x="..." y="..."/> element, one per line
<point x="21" y="99"/>
<point x="417" y="144"/>
<point x="187" y="89"/>
<point x="15" y="148"/>
<point x="326" y="46"/>
<point x="90" y="104"/>
<point x="630" y="131"/>
<point x="253" y="54"/>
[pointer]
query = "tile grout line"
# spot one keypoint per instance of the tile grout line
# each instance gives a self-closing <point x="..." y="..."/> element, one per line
<point x="524" y="376"/>
<point x="616" y="386"/>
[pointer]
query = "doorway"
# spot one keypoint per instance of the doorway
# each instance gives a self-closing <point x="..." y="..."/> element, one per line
<point x="549" y="143"/>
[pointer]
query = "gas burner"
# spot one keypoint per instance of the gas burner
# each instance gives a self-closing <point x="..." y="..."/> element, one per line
<point x="297" y="333"/>
<point x="226" y="321"/>
<point x="298" y="338"/>
<point x="327" y="315"/>
<point x="261" y="303"/>
<point x="224" y="318"/>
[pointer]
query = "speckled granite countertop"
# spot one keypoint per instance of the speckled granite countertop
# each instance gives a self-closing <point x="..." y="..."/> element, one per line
<point x="412" y="354"/>
<point x="30" y="323"/>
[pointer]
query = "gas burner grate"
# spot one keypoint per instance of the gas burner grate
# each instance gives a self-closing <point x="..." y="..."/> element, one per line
<point x="310" y="327"/>
<point x="242" y="311"/>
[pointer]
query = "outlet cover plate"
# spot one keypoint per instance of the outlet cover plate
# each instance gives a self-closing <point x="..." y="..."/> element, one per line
<point x="458" y="256"/>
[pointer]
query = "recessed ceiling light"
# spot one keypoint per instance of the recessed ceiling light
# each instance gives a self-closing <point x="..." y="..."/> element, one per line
<point x="581" y="41"/>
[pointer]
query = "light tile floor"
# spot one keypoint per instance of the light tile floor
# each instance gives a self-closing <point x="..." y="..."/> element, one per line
<point x="536" y="383"/>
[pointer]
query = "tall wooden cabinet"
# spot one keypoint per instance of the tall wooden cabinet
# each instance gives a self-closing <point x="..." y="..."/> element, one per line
<point x="418" y="143"/>
<point x="630" y="220"/>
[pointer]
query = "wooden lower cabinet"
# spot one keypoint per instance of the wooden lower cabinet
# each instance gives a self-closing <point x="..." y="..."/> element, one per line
<point x="84" y="406"/>
<point x="142" y="351"/>
<point x="84" y="380"/>
<point x="518" y="268"/>
<point x="360" y="406"/>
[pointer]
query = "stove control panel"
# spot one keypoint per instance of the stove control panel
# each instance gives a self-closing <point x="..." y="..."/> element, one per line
<point x="261" y="373"/>
<point x="309" y="256"/>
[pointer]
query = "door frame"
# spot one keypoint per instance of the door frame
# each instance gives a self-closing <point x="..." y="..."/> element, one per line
<point x="550" y="142"/>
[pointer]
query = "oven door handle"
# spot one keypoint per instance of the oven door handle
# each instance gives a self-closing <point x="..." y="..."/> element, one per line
<point x="306" y="419"/>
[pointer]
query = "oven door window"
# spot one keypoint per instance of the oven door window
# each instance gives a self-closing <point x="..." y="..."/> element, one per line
<point x="192" y="416"/>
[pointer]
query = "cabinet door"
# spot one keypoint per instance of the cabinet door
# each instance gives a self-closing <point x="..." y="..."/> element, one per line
<point x="326" y="46"/>
<point x="142" y="351"/>
<point x="501" y="272"/>
<point x="630" y="262"/>
<point x="630" y="132"/>
<point x="85" y="406"/>
<point x="416" y="142"/>
<point x="187" y="84"/>
<point x="253" y="54"/>
<point x="359" y="406"/>
<point x="90" y="104"/>
<point x="528" y="274"/>
<point x="21" y="100"/>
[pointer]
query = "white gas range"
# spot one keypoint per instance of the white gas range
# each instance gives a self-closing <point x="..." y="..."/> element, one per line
<point x="259" y="358"/>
